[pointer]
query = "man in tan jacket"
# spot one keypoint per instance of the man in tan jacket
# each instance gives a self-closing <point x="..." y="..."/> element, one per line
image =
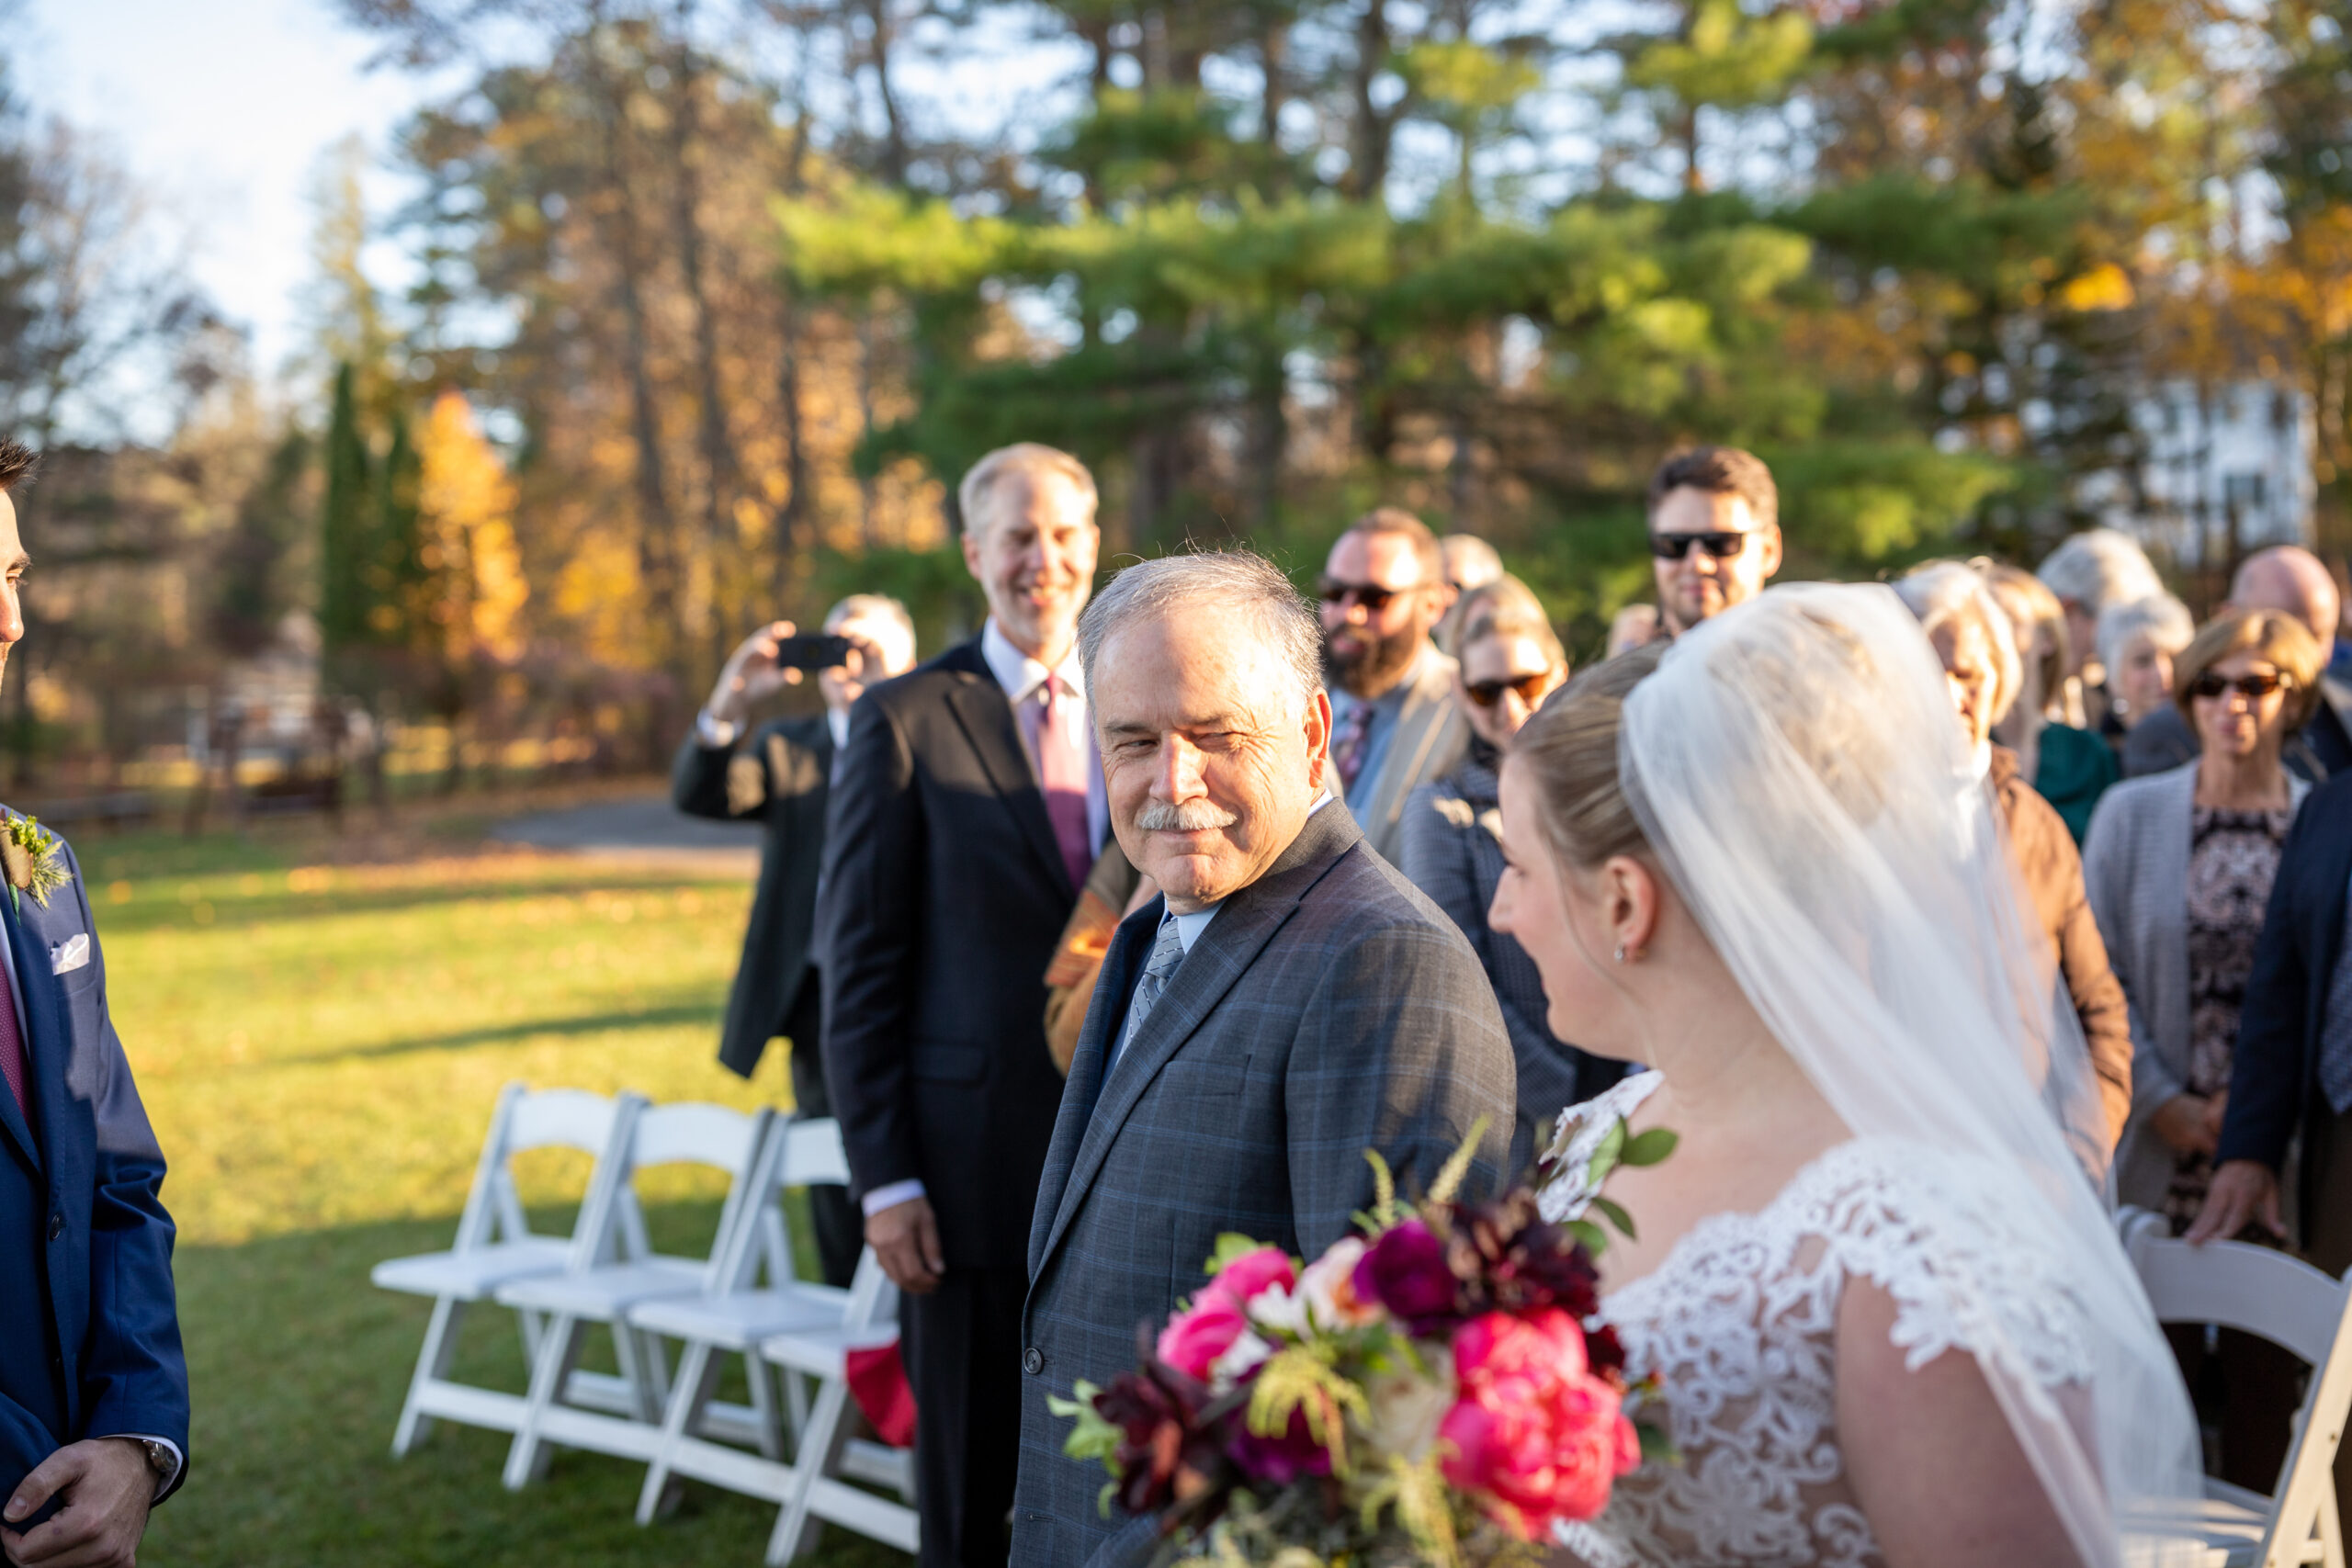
<point x="1397" y="721"/>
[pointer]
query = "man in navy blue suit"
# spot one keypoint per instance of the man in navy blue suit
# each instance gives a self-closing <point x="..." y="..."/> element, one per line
<point x="93" y="1387"/>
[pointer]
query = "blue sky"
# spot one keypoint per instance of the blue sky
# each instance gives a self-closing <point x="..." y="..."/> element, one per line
<point x="223" y="110"/>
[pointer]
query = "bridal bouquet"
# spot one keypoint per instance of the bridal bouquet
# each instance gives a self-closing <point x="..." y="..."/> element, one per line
<point x="1437" y="1390"/>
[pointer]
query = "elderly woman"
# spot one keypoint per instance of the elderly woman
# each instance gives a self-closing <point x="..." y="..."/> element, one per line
<point x="2068" y="766"/>
<point x="1973" y="639"/>
<point x="2180" y="866"/>
<point x="2138" y="642"/>
<point x="1452" y="849"/>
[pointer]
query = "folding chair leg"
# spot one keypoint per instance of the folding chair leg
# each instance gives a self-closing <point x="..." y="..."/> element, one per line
<point x="645" y="1368"/>
<point x="527" y="1460"/>
<point x="795" y="1404"/>
<point x="797" y="1533"/>
<point x="432" y="1363"/>
<point x="756" y="1372"/>
<point x="697" y="1380"/>
<point x="533" y="1325"/>
<point x="2331" y="1528"/>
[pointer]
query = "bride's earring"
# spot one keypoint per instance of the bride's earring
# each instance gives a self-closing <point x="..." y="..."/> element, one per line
<point x="1620" y="953"/>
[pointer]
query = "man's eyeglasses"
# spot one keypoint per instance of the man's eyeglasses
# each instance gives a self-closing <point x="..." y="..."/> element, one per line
<point x="1674" y="547"/>
<point x="1372" y="596"/>
<point x="1531" y="689"/>
<point x="2254" y="688"/>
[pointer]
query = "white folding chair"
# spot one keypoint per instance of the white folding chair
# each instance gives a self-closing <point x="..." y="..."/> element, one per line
<point x="733" y="1317"/>
<point x="495" y="1245"/>
<point x="2283" y="1299"/>
<point x="622" y="1274"/>
<point x="817" y="1489"/>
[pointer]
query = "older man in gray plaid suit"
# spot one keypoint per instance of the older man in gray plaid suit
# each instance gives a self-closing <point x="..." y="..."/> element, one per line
<point x="1290" y="1002"/>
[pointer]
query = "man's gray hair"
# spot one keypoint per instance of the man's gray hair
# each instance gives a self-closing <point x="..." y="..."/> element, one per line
<point x="976" y="493"/>
<point x="1279" y="616"/>
<point x="859" y="605"/>
<point x="2100" y="567"/>
<point x="2161" y="618"/>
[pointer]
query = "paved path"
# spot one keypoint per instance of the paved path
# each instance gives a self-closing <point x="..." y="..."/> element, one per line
<point x="644" y="830"/>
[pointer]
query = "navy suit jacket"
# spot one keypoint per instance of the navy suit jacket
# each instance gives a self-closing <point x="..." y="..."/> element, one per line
<point x="89" y="1329"/>
<point x="2274" y="1077"/>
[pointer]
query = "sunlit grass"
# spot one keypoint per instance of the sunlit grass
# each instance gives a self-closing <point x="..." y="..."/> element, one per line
<point x="319" y="1045"/>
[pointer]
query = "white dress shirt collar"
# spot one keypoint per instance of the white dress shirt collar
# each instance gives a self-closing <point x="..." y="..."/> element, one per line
<point x="837" y="726"/>
<point x="1021" y="675"/>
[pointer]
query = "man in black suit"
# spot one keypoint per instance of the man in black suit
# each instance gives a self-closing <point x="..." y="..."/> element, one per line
<point x="94" y="1401"/>
<point x="778" y="775"/>
<point x="966" y="813"/>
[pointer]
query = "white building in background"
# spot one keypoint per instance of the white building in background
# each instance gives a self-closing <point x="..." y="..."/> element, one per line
<point x="2227" y="470"/>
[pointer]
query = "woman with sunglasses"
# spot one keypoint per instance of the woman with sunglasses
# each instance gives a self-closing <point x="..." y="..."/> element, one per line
<point x="2179" y="867"/>
<point x="1452" y="849"/>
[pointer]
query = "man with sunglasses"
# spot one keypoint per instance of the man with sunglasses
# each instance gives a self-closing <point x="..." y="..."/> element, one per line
<point x="1396" y="722"/>
<point x="1714" y="532"/>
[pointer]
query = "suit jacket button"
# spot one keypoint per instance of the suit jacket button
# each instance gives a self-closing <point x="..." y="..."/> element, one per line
<point x="1033" y="1361"/>
<point x="56" y="1226"/>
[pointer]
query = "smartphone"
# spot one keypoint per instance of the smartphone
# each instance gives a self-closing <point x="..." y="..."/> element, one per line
<point x="811" y="652"/>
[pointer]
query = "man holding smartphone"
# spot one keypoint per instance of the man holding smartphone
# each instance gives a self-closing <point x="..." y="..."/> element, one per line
<point x="780" y="775"/>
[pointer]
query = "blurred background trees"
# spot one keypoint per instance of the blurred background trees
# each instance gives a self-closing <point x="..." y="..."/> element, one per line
<point x="701" y="306"/>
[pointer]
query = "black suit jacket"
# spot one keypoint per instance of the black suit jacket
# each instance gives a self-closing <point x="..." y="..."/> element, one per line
<point x="794" y="760"/>
<point x="945" y="895"/>
<point x="2274" y="1077"/>
<point x="89" y="1325"/>
<point x="1328" y="1009"/>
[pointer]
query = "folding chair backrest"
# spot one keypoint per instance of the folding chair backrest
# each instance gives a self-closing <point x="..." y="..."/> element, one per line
<point x="525" y="1118"/>
<point x="813" y="1155"/>
<point x="2255" y="1289"/>
<point x="735" y="1142"/>
<point x="2281" y="1298"/>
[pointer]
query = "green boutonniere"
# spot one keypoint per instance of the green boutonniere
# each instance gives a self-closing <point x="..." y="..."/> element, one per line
<point x="28" y="856"/>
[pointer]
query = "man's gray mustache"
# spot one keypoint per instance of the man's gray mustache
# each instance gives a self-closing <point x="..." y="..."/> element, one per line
<point x="1193" y="817"/>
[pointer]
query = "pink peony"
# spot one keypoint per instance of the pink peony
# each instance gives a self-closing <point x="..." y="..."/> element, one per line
<point x="1196" y="1337"/>
<point x="1252" y="1273"/>
<point x="1534" y="1430"/>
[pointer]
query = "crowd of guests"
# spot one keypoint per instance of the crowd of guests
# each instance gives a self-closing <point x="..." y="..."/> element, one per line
<point x="941" y="881"/>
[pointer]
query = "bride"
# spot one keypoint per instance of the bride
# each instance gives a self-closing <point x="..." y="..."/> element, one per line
<point x="1892" y="1320"/>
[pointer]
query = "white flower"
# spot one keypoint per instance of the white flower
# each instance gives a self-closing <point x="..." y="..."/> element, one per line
<point x="1241" y="1357"/>
<point x="1276" y="1307"/>
<point x="1406" y="1406"/>
<point x="1328" y="1287"/>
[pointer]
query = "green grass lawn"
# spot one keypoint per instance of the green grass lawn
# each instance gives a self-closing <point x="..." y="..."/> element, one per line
<point x="319" y="1039"/>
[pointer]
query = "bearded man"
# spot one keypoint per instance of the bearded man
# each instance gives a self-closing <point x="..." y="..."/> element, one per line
<point x="1289" y="1002"/>
<point x="1396" y="718"/>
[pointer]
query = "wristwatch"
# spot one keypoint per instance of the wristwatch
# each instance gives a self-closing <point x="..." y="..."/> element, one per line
<point x="160" y="1459"/>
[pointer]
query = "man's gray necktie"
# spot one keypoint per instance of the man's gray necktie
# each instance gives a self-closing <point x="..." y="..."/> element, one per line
<point x="1166" y="953"/>
<point x="2336" y="1032"/>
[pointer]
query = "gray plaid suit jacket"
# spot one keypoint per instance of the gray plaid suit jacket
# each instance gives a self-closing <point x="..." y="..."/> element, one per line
<point x="1329" y="1009"/>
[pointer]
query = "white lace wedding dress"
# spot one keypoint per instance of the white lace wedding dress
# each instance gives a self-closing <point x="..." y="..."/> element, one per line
<point x="1739" y="1321"/>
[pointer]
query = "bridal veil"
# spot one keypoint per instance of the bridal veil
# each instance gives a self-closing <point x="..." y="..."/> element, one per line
<point x="1797" y="766"/>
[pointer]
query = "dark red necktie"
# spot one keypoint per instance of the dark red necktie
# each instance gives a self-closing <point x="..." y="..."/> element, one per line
<point x="13" y="1066"/>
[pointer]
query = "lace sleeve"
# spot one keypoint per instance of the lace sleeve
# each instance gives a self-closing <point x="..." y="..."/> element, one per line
<point x="1937" y="1235"/>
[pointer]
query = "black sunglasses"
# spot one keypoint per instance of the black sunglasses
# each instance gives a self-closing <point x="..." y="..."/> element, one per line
<point x="1674" y="547"/>
<point x="1531" y="689"/>
<point x="2252" y="687"/>
<point x="1373" y="597"/>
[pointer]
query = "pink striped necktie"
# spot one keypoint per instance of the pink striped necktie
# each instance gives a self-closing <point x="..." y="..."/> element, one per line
<point x="13" y="1065"/>
<point x="1061" y="769"/>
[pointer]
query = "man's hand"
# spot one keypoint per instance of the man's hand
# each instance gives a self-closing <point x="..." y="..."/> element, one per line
<point x="751" y="676"/>
<point x="106" y="1486"/>
<point x="905" y="1240"/>
<point x="2242" y="1189"/>
<point x="2181" y="1122"/>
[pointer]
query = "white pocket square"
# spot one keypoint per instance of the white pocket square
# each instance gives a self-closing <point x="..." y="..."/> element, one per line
<point x="73" y="954"/>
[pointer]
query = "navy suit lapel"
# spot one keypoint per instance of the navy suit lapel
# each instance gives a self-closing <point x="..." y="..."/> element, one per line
<point x="982" y="708"/>
<point x="40" y="1044"/>
<point x="1224" y="952"/>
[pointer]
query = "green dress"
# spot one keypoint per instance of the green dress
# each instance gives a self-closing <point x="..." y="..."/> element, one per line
<point x="2074" y="770"/>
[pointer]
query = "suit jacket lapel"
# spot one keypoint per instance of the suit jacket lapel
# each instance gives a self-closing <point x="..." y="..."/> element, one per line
<point x="982" y="708"/>
<point x="1232" y="943"/>
<point x="36" y="1058"/>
